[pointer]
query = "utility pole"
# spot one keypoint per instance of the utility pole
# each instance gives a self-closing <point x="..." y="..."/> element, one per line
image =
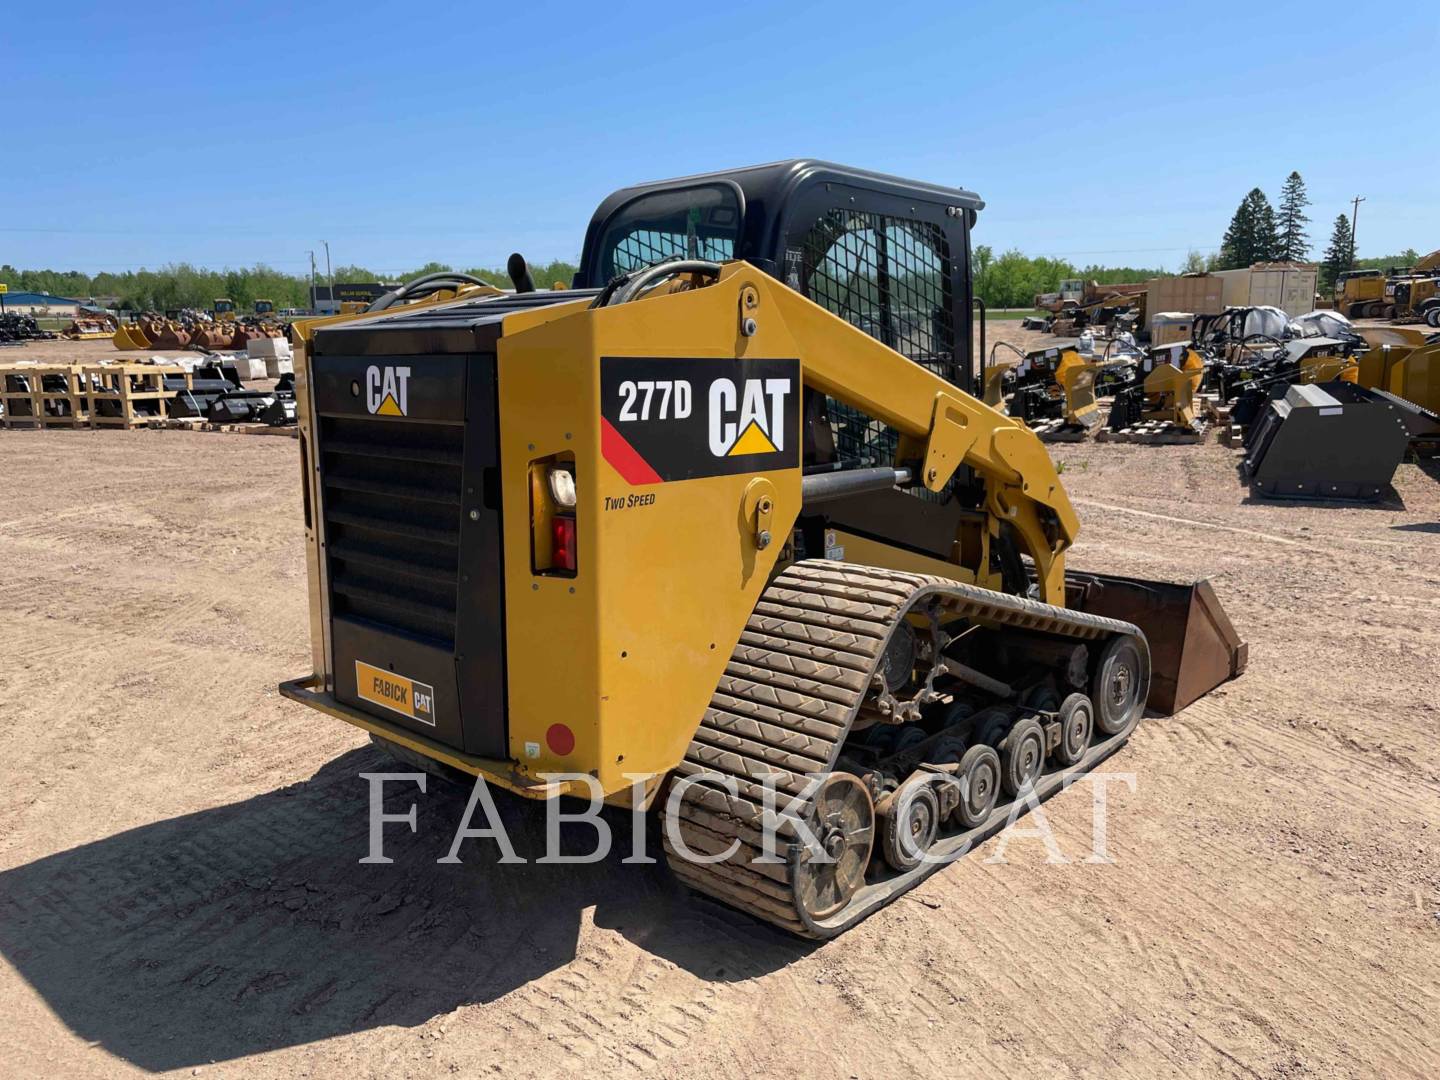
<point x="313" y="305"/>
<point x="328" y="274"/>
<point x="1354" y="217"/>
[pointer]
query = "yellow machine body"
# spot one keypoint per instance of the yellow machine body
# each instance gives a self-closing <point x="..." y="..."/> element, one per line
<point x="1171" y="389"/>
<point x="1357" y="290"/>
<point x="722" y="520"/>
<point x="630" y="648"/>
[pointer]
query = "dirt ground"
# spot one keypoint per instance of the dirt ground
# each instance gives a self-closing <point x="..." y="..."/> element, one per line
<point x="180" y="886"/>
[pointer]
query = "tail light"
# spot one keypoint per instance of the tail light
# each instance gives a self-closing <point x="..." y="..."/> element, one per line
<point x="562" y="543"/>
<point x="554" y="540"/>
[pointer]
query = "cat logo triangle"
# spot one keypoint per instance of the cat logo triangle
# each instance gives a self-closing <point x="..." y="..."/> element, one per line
<point x="752" y="441"/>
<point x="389" y="407"/>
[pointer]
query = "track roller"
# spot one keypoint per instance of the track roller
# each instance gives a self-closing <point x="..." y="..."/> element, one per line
<point x="979" y="777"/>
<point x="1023" y="756"/>
<point x="909" y="822"/>
<point x="1077" y="724"/>
<point x="798" y="713"/>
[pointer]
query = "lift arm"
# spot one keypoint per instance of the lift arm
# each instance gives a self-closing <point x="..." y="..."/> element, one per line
<point x="941" y="426"/>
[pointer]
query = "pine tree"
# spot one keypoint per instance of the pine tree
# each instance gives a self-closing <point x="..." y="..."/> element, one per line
<point x="1252" y="236"/>
<point x="1294" y="240"/>
<point x="1239" y="241"/>
<point x="1267" y="230"/>
<point x="1339" y="256"/>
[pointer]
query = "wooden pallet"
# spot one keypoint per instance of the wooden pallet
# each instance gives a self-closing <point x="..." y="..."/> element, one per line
<point x="292" y="430"/>
<point x="1157" y="433"/>
<point x="199" y="423"/>
<point x="32" y="403"/>
<point x="1058" y="431"/>
<point x="130" y="385"/>
<point x="182" y="423"/>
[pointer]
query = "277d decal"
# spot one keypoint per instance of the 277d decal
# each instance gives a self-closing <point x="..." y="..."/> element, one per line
<point x="668" y="419"/>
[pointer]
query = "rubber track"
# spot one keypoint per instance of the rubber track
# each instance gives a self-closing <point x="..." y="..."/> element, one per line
<point x="794" y="683"/>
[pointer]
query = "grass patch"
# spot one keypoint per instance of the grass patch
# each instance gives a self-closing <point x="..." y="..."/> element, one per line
<point x="996" y="315"/>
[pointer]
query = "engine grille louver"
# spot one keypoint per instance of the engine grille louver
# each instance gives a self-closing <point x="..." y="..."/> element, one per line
<point x="392" y="523"/>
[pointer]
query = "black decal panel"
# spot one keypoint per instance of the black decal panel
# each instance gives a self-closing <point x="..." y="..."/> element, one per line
<point x="679" y="419"/>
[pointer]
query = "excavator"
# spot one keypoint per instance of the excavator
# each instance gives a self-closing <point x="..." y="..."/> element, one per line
<point x="723" y="534"/>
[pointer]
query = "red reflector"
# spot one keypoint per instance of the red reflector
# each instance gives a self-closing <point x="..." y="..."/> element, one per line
<point x="562" y="542"/>
<point x="560" y="739"/>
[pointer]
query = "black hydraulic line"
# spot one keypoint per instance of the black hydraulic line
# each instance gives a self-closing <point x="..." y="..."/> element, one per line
<point x="423" y="284"/>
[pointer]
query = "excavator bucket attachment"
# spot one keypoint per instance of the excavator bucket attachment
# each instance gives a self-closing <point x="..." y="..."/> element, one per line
<point x="1193" y="646"/>
<point x="130" y="336"/>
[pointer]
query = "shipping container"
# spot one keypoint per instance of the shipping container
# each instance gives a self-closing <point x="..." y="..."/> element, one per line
<point x="1193" y="294"/>
<point x="1287" y="286"/>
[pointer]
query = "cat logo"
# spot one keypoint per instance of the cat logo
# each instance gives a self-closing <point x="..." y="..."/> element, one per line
<point x="748" y="419"/>
<point x="386" y="390"/>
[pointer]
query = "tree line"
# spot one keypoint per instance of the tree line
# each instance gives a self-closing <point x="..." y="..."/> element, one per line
<point x="1010" y="279"/>
<point x="1013" y="279"/>
<point x="181" y="285"/>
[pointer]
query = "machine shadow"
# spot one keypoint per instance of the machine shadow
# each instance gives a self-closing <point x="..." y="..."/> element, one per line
<point x="254" y="926"/>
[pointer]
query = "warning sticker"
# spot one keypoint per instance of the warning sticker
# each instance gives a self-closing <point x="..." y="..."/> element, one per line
<point x="395" y="692"/>
<point x="666" y="419"/>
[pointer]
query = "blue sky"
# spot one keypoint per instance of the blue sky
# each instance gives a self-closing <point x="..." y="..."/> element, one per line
<point x="1115" y="133"/>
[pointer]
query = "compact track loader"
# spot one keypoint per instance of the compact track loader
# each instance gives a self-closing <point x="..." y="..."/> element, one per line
<point x="724" y="532"/>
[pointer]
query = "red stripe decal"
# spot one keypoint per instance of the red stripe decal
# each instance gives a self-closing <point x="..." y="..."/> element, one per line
<point x="624" y="457"/>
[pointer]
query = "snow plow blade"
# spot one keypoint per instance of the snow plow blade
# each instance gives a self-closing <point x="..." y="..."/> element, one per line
<point x="1193" y="646"/>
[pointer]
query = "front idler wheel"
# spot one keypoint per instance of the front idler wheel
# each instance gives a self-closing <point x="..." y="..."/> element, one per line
<point x="909" y="823"/>
<point x="1023" y="756"/>
<point x="1118" y="686"/>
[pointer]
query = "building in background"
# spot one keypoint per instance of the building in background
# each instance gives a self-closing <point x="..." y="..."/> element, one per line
<point x="322" y="302"/>
<point x="41" y="304"/>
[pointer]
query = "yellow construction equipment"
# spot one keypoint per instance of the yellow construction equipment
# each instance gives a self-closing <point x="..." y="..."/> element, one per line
<point x="1164" y="403"/>
<point x="1056" y="397"/>
<point x="1360" y="294"/>
<point x="1412" y="293"/>
<point x="1404" y="362"/>
<point x="723" y="535"/>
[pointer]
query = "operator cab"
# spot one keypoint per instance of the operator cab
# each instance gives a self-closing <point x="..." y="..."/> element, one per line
<point x="890" y="256"/>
